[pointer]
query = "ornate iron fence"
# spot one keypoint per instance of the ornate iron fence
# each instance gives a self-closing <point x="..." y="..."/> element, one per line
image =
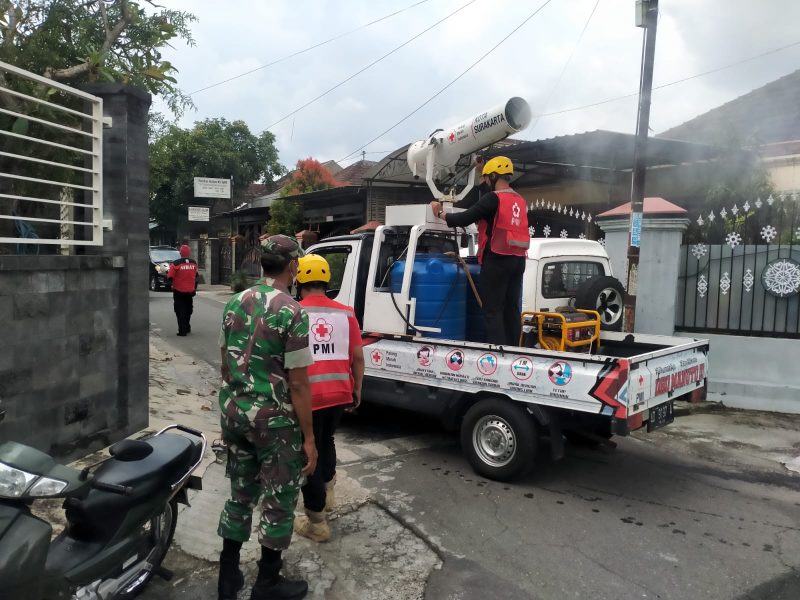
<point x="550" y="219"/>
<point x="742" y="273"/>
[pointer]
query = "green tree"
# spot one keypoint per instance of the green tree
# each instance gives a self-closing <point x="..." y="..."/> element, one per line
<point x="74" y="42"/>
<point x="285" y="214"/>
<point x="212" y="148"/>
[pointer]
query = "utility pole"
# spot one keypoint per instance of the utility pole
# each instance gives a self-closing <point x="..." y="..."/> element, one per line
<point x="646" y="17"/>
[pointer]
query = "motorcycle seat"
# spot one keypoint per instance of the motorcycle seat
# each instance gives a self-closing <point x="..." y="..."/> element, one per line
<point x="172" y="456"/>
<point x="101" y="512"/>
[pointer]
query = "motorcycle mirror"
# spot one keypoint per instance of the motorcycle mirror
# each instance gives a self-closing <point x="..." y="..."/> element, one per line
<point x="130" y="450"/>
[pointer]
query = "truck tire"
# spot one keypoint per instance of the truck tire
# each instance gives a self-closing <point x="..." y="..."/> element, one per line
<point x="499" y="438"/>
<point x="606" y="295"/>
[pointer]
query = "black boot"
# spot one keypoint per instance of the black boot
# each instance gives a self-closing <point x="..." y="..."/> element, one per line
<point x="231" y="579"/>
<point x="271" y="585"/>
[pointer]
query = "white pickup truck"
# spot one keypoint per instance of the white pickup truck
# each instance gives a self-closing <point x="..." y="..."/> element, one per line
<point x="602" y="383"/>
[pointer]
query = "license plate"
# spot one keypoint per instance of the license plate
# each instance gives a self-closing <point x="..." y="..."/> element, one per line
<point x="660" y="416"/>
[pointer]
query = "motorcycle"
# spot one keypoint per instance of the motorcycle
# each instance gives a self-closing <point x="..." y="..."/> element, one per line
<point x="121" y="515"/>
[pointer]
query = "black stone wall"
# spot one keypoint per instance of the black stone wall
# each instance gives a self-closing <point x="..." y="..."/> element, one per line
<point x="74" y="342"/>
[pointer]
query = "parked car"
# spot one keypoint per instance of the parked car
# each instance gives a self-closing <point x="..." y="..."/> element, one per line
<point x="160" y="259"/>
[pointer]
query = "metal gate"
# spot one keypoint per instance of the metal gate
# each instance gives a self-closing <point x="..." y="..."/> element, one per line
<point x="224" y="261"/>
<point x="742" y="273"/>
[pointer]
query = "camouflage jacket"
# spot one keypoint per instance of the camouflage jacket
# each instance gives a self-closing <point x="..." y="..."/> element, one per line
<point x="264" y="333"/>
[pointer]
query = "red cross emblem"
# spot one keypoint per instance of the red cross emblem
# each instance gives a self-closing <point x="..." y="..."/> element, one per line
<point x="377" y="358"/>
<point x="322" y="330"/>
<point x="452" y="137"/>
<point x="641" y="380"/>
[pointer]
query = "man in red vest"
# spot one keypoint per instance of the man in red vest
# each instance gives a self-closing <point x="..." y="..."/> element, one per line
<point x="183" y="273"/>
<point x="503" y="240"/>
<point x="336" y="376"/>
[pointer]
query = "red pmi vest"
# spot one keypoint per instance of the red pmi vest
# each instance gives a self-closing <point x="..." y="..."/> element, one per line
<point x="183" y="273"/>
<point x="329" y="339"/>
<point x="510" y="236"/>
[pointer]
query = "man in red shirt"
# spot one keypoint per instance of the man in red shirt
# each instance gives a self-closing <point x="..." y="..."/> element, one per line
<point x="336" y="376"/>
<point x="183" y="273"/>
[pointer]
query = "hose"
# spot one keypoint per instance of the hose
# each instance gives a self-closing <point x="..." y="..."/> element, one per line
<point x="469" y="277"/>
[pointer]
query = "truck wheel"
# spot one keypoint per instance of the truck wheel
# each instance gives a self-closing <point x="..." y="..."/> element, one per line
<point x="605" y="295"/>
<point x="499" y="438"/>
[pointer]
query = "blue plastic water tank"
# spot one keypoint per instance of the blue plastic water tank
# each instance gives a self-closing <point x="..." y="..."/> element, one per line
<point x="476" y="324"/>
<point x="439" y="285"/>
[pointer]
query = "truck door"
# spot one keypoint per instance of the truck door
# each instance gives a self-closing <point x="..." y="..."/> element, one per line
<point x="343" y="260"/>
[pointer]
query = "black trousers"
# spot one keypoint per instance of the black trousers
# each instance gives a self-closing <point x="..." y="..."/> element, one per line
<point x="501" y="290"/>
<point x="184" y="306"/>
<point x="326" y="420"/>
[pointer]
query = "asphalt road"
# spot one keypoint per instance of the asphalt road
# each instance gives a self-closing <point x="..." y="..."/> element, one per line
<point x="206" y="320"/>
<point x="631" y="523"/>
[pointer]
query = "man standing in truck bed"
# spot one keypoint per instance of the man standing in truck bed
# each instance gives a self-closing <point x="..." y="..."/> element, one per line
<point x="503" y="240"/>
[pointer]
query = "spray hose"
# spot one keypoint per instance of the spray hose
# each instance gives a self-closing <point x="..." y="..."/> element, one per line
<point x="469" y="276"/>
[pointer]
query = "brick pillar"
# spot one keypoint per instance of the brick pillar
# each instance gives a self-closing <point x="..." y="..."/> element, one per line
<point x="126" y="203"/>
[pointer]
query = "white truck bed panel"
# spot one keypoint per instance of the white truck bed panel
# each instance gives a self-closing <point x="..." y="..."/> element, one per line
<point x="615" y="386"/>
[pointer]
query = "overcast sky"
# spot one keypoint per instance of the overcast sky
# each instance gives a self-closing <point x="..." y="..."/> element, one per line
<point x="693" y="36"/>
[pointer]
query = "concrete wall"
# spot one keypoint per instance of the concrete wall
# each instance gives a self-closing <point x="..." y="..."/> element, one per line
<point x="59" y="374"/>
<point x="74" y="363"/>
<point x="753" y="372"/>
<point x="656" y="293"/>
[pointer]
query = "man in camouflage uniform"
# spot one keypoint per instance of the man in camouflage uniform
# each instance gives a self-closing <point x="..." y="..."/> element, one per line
<point x="266" y="420"/>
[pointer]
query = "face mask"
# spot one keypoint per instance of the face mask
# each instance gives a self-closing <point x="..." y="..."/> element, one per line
<point x="484" y="188"/>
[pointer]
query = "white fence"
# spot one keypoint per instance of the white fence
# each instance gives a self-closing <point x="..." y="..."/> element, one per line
<point x="51" y="163"/>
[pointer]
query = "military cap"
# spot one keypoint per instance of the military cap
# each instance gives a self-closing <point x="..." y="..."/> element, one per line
<point x="281" y="245"/>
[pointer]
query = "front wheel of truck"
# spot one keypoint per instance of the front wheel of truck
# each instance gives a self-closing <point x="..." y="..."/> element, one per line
<point x="499" y="438"/>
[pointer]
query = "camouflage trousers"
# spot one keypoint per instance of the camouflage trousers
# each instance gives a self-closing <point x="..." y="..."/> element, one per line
<point x="263" y="463"/>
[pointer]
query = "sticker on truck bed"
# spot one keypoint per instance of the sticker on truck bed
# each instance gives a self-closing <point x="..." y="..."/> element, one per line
<point x="589" y="386"/>
<point x="676" y="375"/>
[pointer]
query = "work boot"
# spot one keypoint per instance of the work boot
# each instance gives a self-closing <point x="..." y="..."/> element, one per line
<point x="313" y="526"/>
<point x="271" y="585"/>
<point x="231" y="579"/>
<point x="329" y="497"/>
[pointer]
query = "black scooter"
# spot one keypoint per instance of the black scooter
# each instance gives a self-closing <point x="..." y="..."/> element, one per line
<point x="121" y="516"/>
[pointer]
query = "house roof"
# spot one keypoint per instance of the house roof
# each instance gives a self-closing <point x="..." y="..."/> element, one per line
<point x="354" y="174"/>
<point x="765" y="115"/>
<point x="254" y="190"/>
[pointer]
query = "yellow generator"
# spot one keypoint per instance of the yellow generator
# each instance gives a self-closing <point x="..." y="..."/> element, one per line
<point x="564" y="329"/>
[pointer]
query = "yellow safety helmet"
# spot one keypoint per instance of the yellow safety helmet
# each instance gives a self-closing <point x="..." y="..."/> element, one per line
<point x="500" y="165"/>
<point x="312" y="267"/>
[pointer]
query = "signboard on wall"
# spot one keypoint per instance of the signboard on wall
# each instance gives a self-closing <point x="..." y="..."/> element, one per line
<point x="210" y="187"/>
<point x="199" y="213"/>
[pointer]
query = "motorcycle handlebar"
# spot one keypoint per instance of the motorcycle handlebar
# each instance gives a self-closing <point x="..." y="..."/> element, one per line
<point x="123" y="490"/>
